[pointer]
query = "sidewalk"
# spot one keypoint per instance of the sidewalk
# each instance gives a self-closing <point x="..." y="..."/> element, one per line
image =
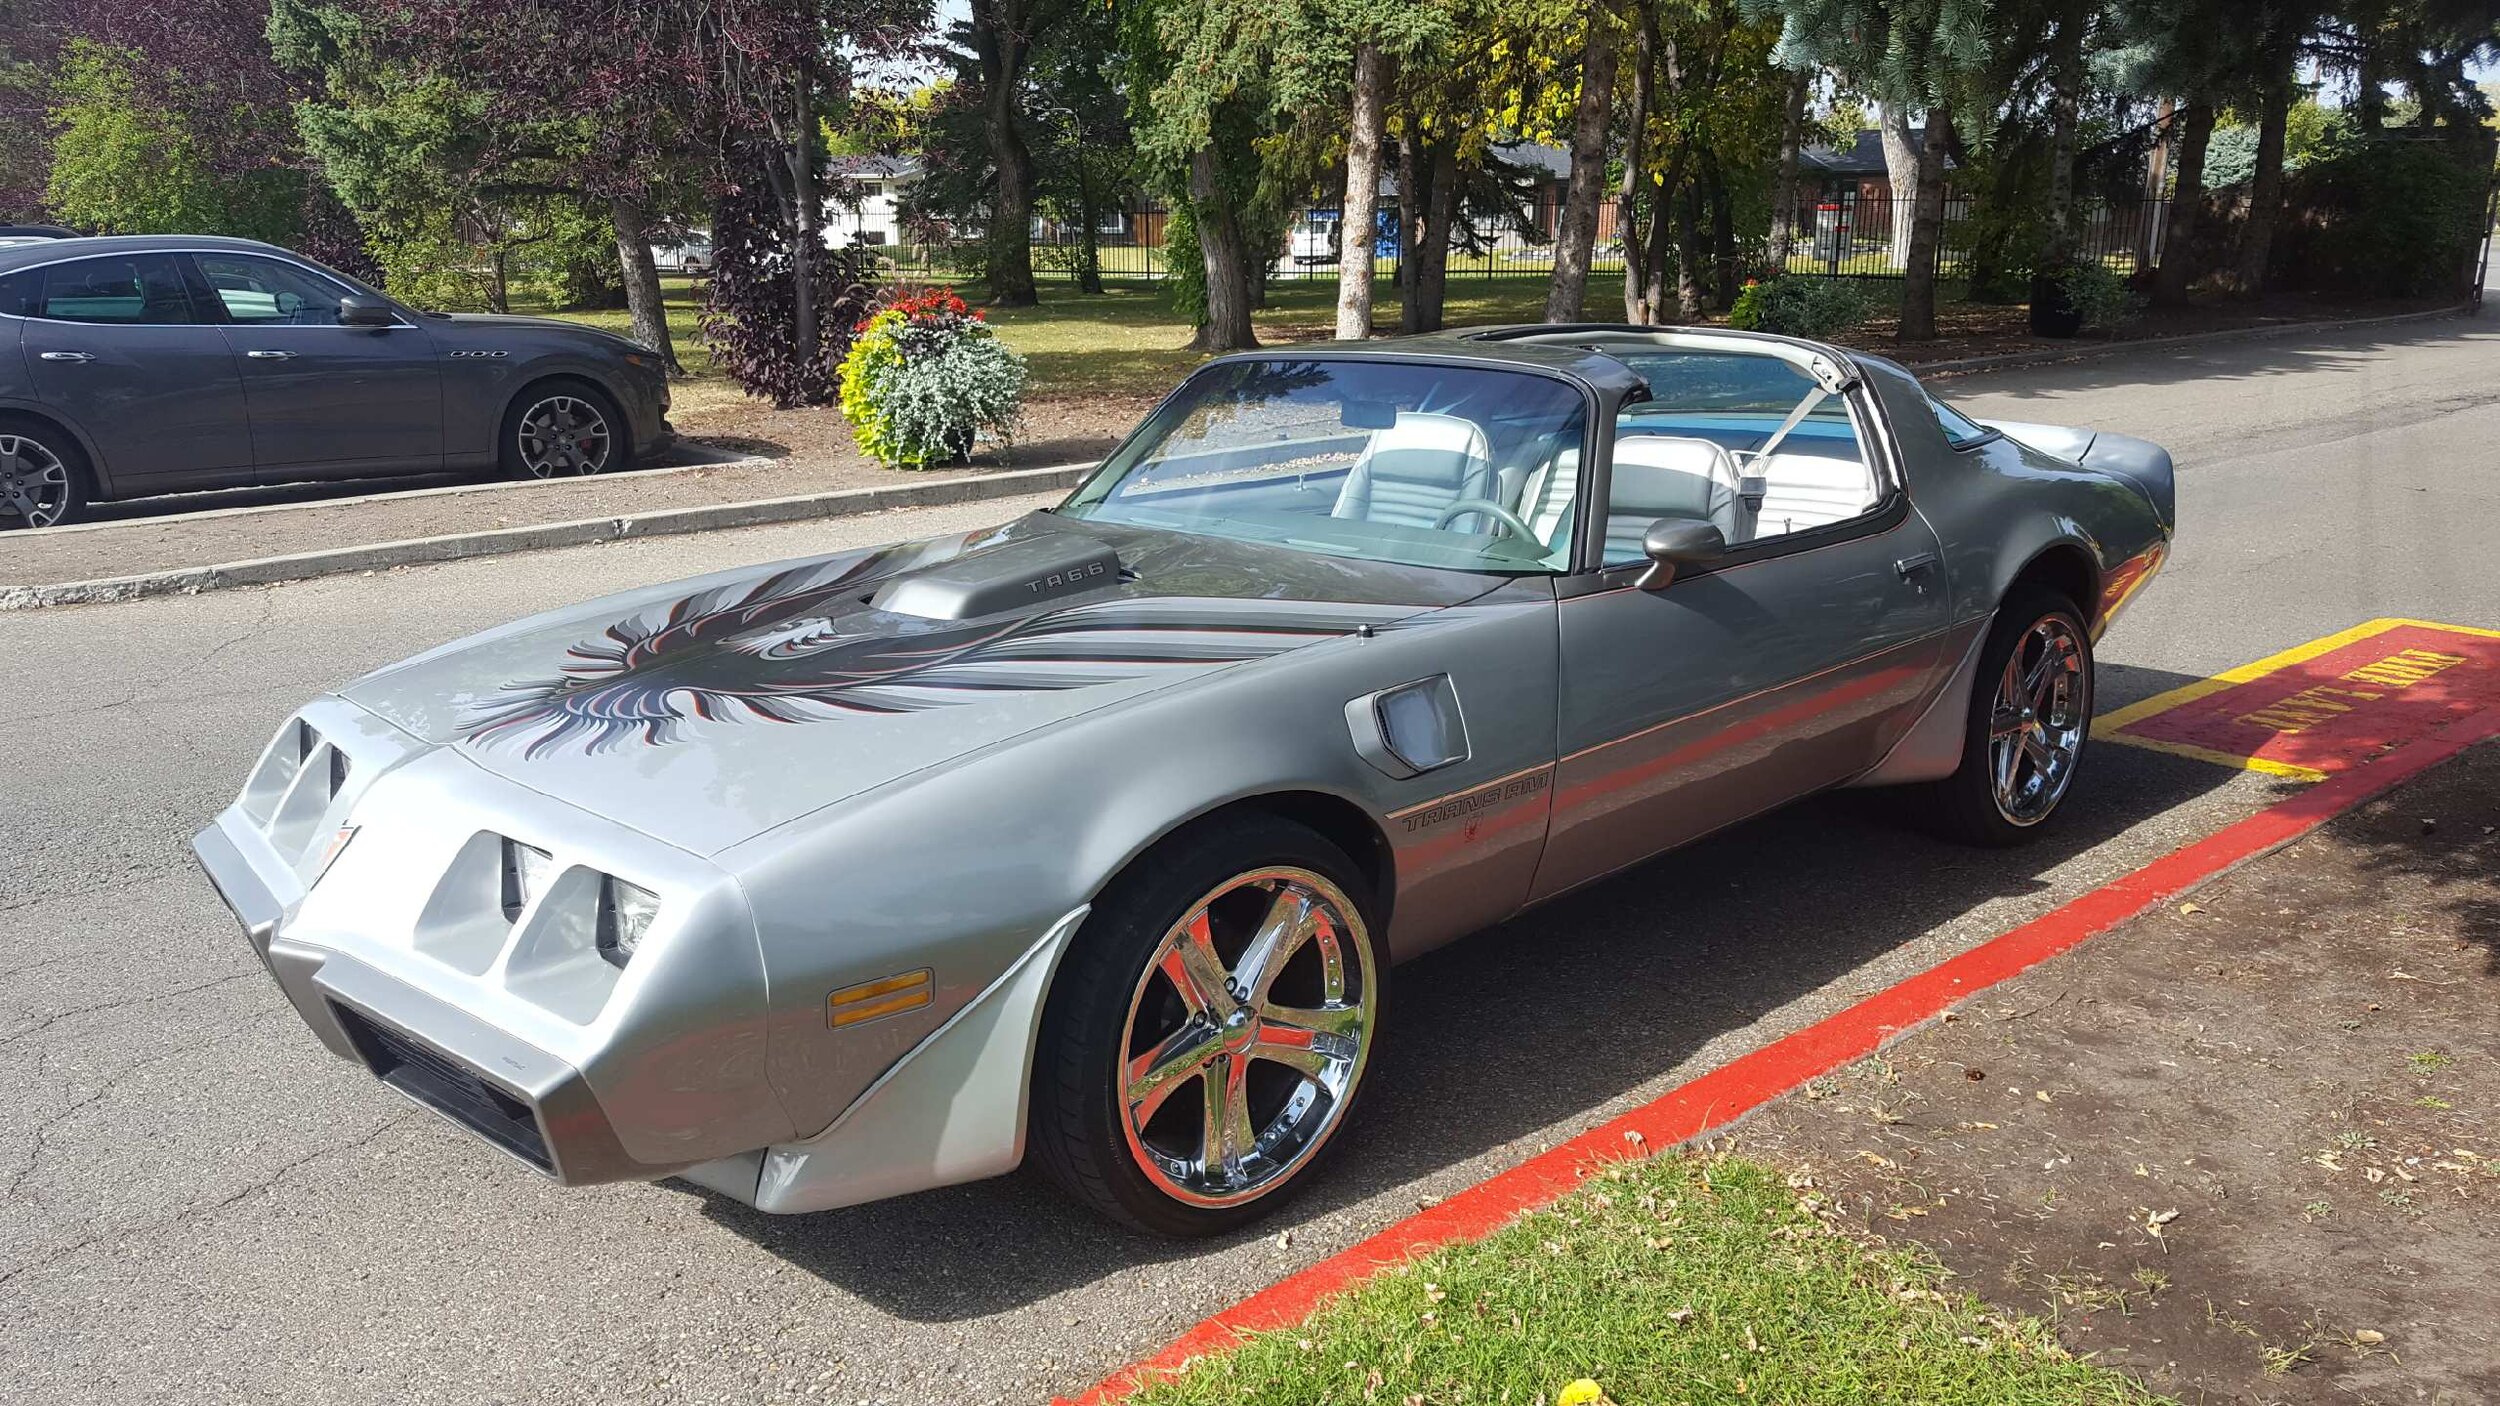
<point x="2246" y="1147"/>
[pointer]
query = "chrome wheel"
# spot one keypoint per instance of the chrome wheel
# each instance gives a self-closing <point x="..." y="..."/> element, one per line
<point x="1246" y="1036"/>
<point x="564" y="434"/>
<point x="34" y="483"/>
<point x="2036" y="725"/>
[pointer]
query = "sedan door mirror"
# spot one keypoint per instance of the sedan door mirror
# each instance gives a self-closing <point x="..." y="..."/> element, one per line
<point x="356" y="310"/>
<point x="1673" y="543"/>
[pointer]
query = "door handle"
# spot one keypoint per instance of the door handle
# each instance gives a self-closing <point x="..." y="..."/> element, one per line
<point x="1912" y="565"/>
<point x="67" y="356"/>
<point x="270" y="355"/>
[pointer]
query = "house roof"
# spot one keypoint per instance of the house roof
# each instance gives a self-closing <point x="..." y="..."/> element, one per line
<point x="1865" y="157"/>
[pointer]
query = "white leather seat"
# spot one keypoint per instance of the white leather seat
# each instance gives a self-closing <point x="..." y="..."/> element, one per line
<point x="1415" y="469"/>
<point x="1802" y="491"/>
<point x="1660" y="476"/>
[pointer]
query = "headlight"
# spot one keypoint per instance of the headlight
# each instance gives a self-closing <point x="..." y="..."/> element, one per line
<point x="526" y="870"/>
<point x="625" y="914"/>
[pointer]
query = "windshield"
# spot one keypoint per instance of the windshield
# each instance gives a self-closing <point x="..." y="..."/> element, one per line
<point x="1471" y="469"/>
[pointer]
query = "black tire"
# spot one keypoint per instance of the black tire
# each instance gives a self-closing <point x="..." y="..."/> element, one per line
<point x="513" y="452"/>
<point x="58" y="500"/>
<point x="1966" y="806"/>
<point x="1079" y="1135"/>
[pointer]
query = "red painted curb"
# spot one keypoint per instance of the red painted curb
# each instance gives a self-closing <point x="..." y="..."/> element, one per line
<point x="1729" y="1092"/>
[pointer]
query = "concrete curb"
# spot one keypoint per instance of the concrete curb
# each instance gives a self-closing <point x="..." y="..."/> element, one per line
<point x="459" y="545"/>
<point x="392" y="495"/>
<point x="2011" y="360"/>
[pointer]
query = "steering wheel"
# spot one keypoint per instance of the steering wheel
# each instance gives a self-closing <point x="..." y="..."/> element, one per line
<point x="1509" y="520"/>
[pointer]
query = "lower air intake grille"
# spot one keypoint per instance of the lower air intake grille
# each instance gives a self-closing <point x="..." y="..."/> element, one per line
<point x="448" y="1087"/>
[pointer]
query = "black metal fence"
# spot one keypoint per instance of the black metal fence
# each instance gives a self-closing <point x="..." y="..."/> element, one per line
<point x="1857" y="233"/>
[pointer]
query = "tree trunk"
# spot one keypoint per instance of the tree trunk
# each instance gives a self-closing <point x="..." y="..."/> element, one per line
<point x="1635" y="148"/>
<point x="1575" y="241"/>
<point x="1918" y="276"/>
<point x="2066" y="79"/>
<point x="2187" y="200"/>
<point x="2265" y="184"/>
<point x="1427" y="244"/>
<point x="2156" y="175"/>
<point x="1410" y="210"/>
<point x="1784" y="185"/>
<point x="1089" y="239"/>
<point x="1219" y="243"/>
<point x="1723" y="271"/>
<point x="642" y="280"/>
<point x="804" y="213"/>
<point x="999" y="48"/>
<point x="1901" y="163"/>
<point x="1358" y="231"/>
<point x="1689" y="261"/>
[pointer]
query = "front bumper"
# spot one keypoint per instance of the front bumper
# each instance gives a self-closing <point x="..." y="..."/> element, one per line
<point x="398" y="958"/>
<point x="394" y="948"/>
<point x="521" y="1099"/>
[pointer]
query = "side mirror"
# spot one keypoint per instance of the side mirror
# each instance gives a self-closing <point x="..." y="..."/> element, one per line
<point x="357" y="310"/>
<point x="1673" y="543"/>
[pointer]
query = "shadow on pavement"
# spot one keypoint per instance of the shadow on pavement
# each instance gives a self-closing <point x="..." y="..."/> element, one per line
<point x="680" y="455"/>
<point x="2287" y="353"/>
<point x="1534" y="1021"/>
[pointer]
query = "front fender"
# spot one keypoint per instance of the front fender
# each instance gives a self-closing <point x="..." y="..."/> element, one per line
<point x="961" y="869"/>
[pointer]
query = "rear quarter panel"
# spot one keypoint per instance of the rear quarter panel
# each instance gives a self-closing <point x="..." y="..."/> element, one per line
<point x="1998" y="506"/>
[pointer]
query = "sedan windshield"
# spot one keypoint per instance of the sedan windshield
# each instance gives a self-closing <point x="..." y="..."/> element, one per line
<point x="1465" y="468"/>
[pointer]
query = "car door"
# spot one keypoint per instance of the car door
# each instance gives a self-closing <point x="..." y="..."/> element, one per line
<point x="119" y="347"/>
<point x="1792" y="664"/>
<point x="326" y="401"/>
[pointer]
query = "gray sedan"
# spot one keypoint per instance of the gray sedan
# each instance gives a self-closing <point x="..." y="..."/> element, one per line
<point x="140" y="365"/>
<point x="1089" y="841"/>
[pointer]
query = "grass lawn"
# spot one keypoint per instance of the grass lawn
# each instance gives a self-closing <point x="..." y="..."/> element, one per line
<point x="1127" y="339"/>
<point x="1676" y="1281"/>
<point x="683" y="297"/>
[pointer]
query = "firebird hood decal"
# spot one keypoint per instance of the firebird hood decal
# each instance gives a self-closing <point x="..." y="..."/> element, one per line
<point x="705" y="712"/>
<point x="800" y="646"/>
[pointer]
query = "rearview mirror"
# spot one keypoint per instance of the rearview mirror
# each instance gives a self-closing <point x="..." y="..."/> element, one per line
<point x="356" y="310"/>
<point x="1673" y="543"/>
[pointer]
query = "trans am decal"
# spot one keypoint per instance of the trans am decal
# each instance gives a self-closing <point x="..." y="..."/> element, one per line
<point x="803" y="645"/>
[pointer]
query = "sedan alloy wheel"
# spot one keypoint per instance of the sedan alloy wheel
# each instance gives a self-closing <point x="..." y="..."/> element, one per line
<point x="34" y="483"/>
<point x="1246" y="1036"/>
<point x="565" y="435"/>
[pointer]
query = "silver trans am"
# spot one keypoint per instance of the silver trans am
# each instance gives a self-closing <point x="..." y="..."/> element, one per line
<point x="1090" y="838"/>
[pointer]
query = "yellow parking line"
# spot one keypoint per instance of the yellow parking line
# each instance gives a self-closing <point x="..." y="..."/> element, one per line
<point x="2250" y="673"/>
<point x="2110" y="726"/>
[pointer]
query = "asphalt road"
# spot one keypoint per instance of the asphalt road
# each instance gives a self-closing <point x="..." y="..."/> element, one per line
<point x="204" y="1207"/>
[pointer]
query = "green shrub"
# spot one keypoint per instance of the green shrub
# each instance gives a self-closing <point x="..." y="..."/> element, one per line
<point x="925" y="377"/>
<point x="1799" y="305"/>
<point x="2096" y="293"/>
<point x="126" y="160"/>
<point x="2391" y="218"/>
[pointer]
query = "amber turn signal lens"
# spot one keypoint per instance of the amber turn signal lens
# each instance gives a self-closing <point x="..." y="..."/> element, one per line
<point x="890" y="995"/>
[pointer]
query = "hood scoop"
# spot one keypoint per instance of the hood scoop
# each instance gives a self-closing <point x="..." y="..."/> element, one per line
<point x="1011" y="576"/>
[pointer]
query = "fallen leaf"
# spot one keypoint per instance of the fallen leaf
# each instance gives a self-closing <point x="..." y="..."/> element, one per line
<point x="2191" y="907"/>
<point x="2155" y="1220"/>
